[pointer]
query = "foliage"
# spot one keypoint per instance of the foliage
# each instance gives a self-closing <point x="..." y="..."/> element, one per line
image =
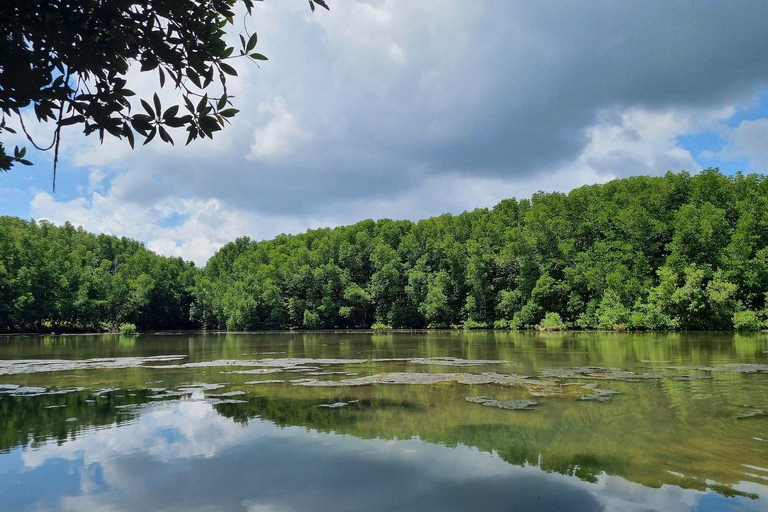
<point x="651" y="253"/>
<point x="552" y="322"/>
<point x="612" y="312"/>
<point x="746" y="321"/>
<point x="64" y="279"/>
<point x="128" y="329"/>
<point x="474" y="324"/>
<point x="612" y="256"/>
<point x="311" y="320"/>
<point x="379" y="327"/>
<point x="70" y="60"/>
<point x="501" y="324"/>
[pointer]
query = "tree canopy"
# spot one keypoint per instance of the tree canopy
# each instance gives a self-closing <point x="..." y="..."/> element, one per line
<point x="649" y="253"/>
<point x="654" y="253"/>
<point x="68" y="61"/>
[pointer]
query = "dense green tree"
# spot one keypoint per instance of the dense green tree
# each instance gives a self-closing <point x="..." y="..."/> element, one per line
<point x="669" y="252"/>
<point x="62" y="278"/>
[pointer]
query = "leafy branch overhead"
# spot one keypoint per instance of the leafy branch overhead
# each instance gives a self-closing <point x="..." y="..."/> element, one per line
<point x="68" y="61"/>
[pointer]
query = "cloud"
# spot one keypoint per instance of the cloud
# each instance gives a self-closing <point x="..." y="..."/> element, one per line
<point x="748" y="140"/>
<point x="279" y="135"/>
<point x="409" y="109"/>
<point x="190" y="228"/>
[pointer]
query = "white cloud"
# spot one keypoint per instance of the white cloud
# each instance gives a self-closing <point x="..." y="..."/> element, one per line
<point x="639" y="141"/>
<point x="279" y="135"/>
<point x="748" y="140"/>
<point x="95" y="179"/>
<point x="190" y="228"/>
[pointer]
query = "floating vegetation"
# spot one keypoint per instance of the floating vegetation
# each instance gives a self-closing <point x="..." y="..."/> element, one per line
<point x="444" y="361"/>
<point x="596" y="372"/>
<point x="541" y="387"/>
<point x="736" y="367"/>
<point x="220" y="401"/>
<point x="268" y="381"/>
<point x="598" y="395"/>
<point x="22" y="366"/>
<point x="752" y="413"/>
<point x="258" y="366"/>
<point x="692" y="377"/>
<point x="30" y="391"/>
<point x="512" y="405"/>
<point x="317" y="374"/>
<point x="336" y="405"/>
<point x="191" y="388"/>
<point x="256" y="371"/>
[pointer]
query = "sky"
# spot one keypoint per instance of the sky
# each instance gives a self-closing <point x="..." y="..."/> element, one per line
<point x="406" y="110"/>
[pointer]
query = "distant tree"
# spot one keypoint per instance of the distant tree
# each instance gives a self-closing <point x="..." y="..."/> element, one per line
<point x="68" y="60"/>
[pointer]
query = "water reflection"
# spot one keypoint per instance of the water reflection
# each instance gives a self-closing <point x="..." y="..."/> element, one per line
<point x="182" y="455"/>
<point x="187" y="433"/>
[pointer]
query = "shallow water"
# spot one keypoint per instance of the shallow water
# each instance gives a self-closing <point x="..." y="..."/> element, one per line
<point x="406" y="421"/>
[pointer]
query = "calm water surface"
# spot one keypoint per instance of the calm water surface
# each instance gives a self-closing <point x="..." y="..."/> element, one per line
<point x="407" y="422"/>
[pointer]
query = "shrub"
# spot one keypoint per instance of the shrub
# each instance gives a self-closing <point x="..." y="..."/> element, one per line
<point x="746" y="321"/>
<point x="650" y="317"/>
<point x="502" y="325"/>
<point x="526" y="317"/>
<point x="129" y="329"/>
<point x="611" y="313"/>
<point x="311" y="320"/>
<point x="379" y="327"/>
<point x="474" y="324"/>
<point x="552" y="322"/>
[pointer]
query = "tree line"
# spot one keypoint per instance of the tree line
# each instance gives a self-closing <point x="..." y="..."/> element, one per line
<point x="65" y="279"/>
<point x="647" y="253"/>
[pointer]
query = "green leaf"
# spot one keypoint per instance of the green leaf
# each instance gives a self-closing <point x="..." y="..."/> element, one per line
<point x="192" y="135"/>
<point x="258" y="56"/>
<point x="164" y="135"/>
<point x="230" y="112"/>
<point x="171" y="112"/>
<point x="251" y="43"/>
<point x="194" y="77"/>
<point x="175" y="122"/>
<point x="228" y="69"/>
<point x="151" y="136"/>
<point x="189" y="104"/>
<point x="129" y="136"/>
<point x="147" y="108"/>
<point x="71" y="120"/>
<point x="158" y="108"/>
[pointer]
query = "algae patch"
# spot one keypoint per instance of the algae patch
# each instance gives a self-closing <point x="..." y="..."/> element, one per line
<point x="598" y="395"/>
<point x="596" y="372"/>
<point x="511" y="405"/>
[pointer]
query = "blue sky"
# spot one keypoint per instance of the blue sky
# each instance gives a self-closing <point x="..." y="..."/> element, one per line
<point x="390" y="108"/>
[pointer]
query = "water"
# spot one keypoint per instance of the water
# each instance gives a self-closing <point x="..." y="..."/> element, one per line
<point x="408" y="421"/>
